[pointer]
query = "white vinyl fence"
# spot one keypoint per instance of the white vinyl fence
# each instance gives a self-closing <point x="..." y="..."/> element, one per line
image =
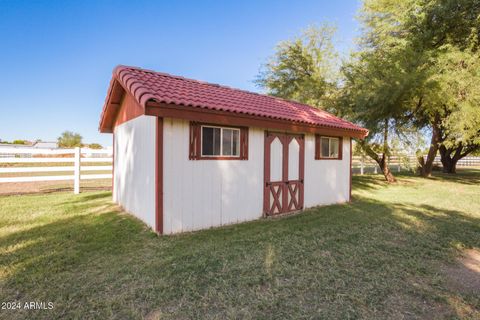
<point x="365" y="164"/>
<point x="10" y="157"/>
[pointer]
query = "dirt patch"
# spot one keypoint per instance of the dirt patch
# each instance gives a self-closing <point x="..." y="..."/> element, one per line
<point x="464" y="276"/>
<point x="409" y="307"/>
<point x="154" y="315"/>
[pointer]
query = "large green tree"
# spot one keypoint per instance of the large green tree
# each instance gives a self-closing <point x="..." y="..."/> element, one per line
<point x="415" y="70"/>
<point x="69" y="139"/>
<point x="418" y="61"/>
<point x="381" y="81"/>
<point x="457" y="112"/>
<point x="304" y="69"/>
<point x="451" y="107"/>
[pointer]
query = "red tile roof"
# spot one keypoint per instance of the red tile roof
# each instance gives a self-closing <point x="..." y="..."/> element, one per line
<point x="147" y="85"/>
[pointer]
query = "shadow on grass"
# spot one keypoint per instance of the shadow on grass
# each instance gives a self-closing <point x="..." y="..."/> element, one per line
<point x="376" y="181"/>
<point x="86" y="201"/>
<point x="464" y="176"/>
<point x="50" y="190"/>
<point x="368" y="181"/>
<point x="367" y="259"/>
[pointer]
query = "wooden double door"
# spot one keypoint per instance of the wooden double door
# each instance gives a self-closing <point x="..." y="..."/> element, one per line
<point x="283" y="172"/>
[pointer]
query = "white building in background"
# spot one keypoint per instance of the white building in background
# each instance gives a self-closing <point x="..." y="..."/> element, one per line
<point x="45" y="145"/>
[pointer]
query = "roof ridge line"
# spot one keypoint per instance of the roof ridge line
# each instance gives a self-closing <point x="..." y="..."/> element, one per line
<point x="142" y="85"/>
<point x="219" y="85"/>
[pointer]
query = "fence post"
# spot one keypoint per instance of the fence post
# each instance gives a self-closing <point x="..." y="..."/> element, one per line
<point x="361" y="165"/>
<point x="375" y="168"/>
<point x="76" y="182"/>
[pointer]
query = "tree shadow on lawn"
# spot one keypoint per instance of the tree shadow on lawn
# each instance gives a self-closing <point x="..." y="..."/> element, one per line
<point x="467" y="176"/>
<point x="367" y="259"/>
<point x="368" y="181"/>
<point x="377" y="181"/>
<point x="434" y="241"/>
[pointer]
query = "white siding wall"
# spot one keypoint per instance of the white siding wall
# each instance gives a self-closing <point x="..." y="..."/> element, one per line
<point x="326" y="181"/>
<point x="134" y="176"/>
<point x="200" y="194"/>
<point x="204" y="193"/>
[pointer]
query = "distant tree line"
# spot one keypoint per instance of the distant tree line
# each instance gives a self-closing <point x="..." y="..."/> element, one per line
<point x="67" y="139"/>
<point x="414" y="73"/>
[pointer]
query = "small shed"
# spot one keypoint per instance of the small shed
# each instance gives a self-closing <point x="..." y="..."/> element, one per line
<point x="191" y="155"/>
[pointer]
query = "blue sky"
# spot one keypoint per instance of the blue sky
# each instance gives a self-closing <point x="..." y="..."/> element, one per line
<point x="56" y="57"/>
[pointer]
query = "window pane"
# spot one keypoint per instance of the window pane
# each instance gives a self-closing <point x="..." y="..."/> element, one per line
<point x="227" y="142"/>
<point x="334" y="148"/>
<point x="324" y="147"/>
<point x="207" y="141"/>
<point x="210" y="141"/>
<point x="216" y="141"/>
<point x="236" y="143"/>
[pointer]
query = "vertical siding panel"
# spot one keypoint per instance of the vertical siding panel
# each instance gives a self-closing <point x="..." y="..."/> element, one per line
<point x="217" y="201"/>
<point x="205" y="193"/>
<point x="212" y="192"/>
<point x="115" y="165"/>
<point x="326" y="181"/>
<point x="258" y="162"/>
<point x="135" y="167"/>
<point x="190" y="165"/>
<point x="205" y="180"/>
<point x="220" y="199"/>
<point x="186" y="178"/>
<point x="197" y="193"/>
<point x="227" y="190"/>
<point x="176" y="182"/>
<point x="167" y="206"/>
<point x="345" y="182"/>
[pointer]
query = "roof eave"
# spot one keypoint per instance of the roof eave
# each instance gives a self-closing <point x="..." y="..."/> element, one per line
<point x="193" y="113"/>
<point x="111" y="106"/>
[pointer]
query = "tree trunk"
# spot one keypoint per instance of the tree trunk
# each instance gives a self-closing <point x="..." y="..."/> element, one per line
<point x="427" y="166"/>
<point x="386" y="171"/>
<point x="383" y="160"/>
<point x="449" y="165"/>
<point x="449" y="162"/>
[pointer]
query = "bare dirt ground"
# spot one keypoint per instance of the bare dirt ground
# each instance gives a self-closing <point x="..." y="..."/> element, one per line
<point x="464" y="276"/>
<point x="52" y="186"/>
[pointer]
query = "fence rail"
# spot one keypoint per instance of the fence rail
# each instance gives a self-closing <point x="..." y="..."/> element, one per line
<point x="11" y="157"/>
<point x="364" y="164"/>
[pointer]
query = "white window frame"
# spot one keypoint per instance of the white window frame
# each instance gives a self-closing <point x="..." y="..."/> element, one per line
<point x="329" y="147"/>
<point x="221" y="142"/>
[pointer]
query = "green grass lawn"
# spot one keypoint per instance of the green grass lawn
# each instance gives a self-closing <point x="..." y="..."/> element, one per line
<point x="391" y="253"/>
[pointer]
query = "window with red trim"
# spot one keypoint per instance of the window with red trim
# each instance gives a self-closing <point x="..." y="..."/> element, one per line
<point x="328" y="148"/>
<point x="209" y="142"/>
